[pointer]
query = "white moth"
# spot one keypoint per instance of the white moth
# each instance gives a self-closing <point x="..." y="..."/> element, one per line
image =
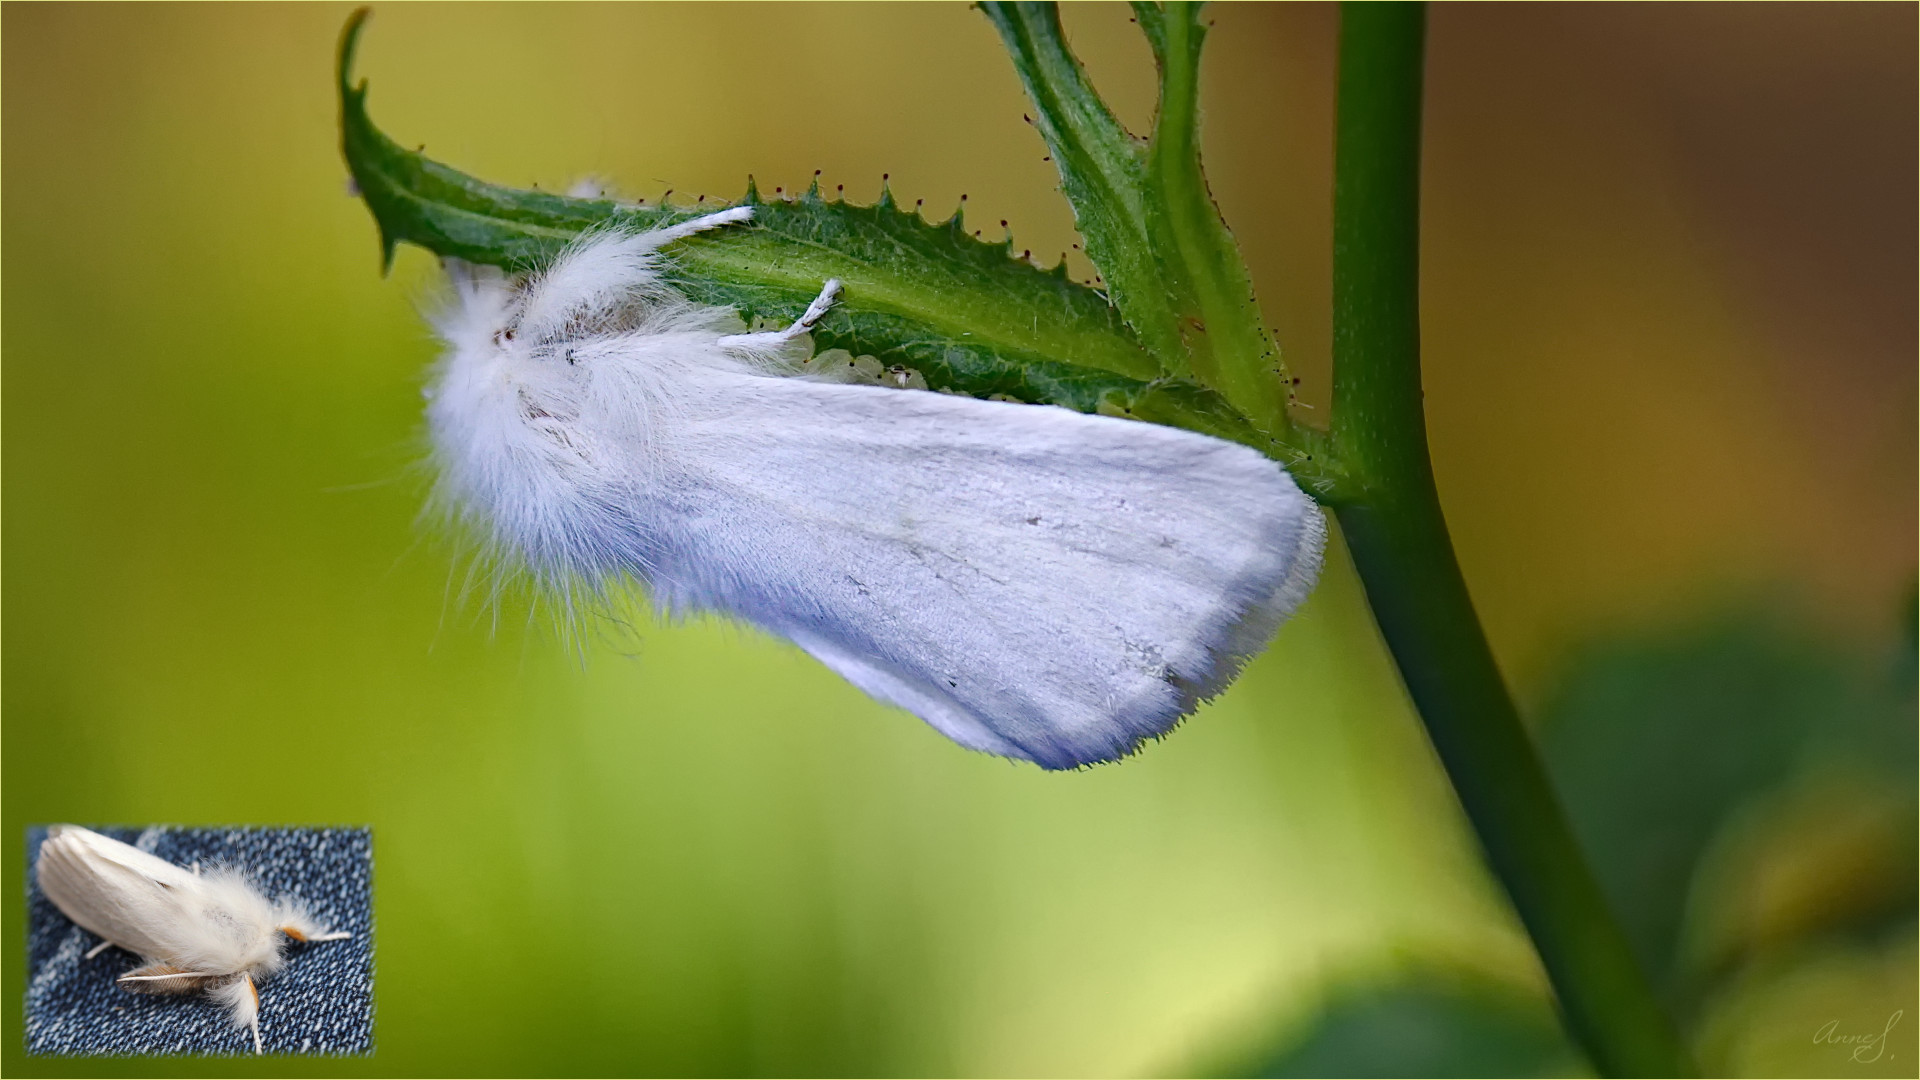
<point x="210" y="932"/>
<point x="1033" y="582"/>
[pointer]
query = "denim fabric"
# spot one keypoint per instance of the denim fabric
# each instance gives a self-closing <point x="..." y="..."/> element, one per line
<point x="321" y="1002"/>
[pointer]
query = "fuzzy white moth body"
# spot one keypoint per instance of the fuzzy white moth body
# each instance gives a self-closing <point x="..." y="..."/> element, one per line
<point x="1034" y="582"/>
<point x="210" y="932"/>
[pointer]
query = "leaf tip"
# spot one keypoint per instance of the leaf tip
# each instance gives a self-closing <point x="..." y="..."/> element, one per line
<point x="389" y="243"/>
<point x="349" y="44"/>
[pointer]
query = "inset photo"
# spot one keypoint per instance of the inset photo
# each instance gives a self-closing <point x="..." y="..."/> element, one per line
<point x="170" y="940"/>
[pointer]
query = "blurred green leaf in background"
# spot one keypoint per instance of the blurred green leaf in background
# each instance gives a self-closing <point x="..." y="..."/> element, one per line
<point x="1746" y="793"/>
<point x="1432" y="1022"/>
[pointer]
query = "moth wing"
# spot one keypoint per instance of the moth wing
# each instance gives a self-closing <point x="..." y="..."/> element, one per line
<point x="131" y="898"/>
<point x="1034" y="582"/>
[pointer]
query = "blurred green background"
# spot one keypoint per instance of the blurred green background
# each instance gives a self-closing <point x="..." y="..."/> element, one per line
<point x="1670" y="328"/>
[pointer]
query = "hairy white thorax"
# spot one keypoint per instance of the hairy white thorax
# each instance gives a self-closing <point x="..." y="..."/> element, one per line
<point x="1034" y="582"/>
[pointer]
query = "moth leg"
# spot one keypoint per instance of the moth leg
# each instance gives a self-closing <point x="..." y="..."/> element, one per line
<point x="242" y="1000"/>
<point x="662" y="237"/>
<point x="820" y="306"/>
<point x="816" y="310"/>
<point x="252" y="1012"/>
<point x="98" y="949"/>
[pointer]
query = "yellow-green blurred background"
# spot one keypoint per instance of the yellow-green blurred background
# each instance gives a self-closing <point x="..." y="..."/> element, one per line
<point x="1670" y="326"/>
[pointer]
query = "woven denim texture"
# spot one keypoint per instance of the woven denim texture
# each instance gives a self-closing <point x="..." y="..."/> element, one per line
<point x="321" y="1002"/>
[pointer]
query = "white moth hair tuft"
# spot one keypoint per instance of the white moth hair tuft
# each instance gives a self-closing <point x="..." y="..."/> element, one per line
<point x="1034" y="582"/>
<point x="210" y="931"/>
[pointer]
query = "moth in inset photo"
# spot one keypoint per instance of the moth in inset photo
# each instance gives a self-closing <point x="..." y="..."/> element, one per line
<point x="196" y="929"/>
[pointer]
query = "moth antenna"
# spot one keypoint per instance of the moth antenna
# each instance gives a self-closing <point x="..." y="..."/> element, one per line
<point x="162" y="978"/>
<point x="701" y="224"/>
<point x="293" y="920"/>
<point x="308" y="936"/>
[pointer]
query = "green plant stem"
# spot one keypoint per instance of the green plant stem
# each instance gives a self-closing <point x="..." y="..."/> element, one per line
<point x="1400" y="545"/>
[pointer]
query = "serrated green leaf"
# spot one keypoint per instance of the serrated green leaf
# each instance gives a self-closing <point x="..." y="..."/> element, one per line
<point x="1102" y="171"/>
<point x="963" y="313"/>
<point x="1150" y="225"/>
<point x="1233" y="351"/>
<point x="930" y="290"/>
